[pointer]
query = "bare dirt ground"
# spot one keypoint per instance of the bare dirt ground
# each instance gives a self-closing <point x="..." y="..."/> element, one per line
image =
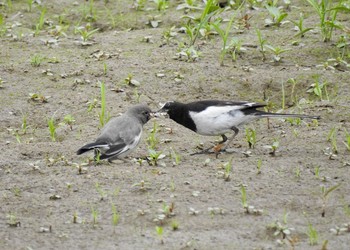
<point x="53" y="199"/>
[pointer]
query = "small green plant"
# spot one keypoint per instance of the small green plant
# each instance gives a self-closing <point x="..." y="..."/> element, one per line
<point x="277" y="51"/>
<point x="224" y="36"/>
<point x="281" y="229"/>
<point x="115" y="216"/>
<point x="24" y="125"/>
<point x="250" y="135"/>
<point x="39" y="26"/>
<point x="160" y="231"/>
<point x="299" y="26"/>
<point x="174" y="225"/>
<point x="85" y="33"/>
<point x="94" y="214"/>
<point x="277" y="15"/>
<point x="327" y="15"/>
<point x="332" y="138"/>
<point x="313" y="235"/>
<point x="103" y="115"/>
<point x="52" y="128"/>
<point x="274" y="147"/>
<point x="325" y="193"/>
<point x="161" y="4"/>
<point x="228" y="170"/>
<point x="319" y="88"/>
<point x="317" y="172"/>
<point x="100" y="190"/>
<point x="139" y="4"/>
<point x="262" y="43"/>
<point x="347" y="140"/>
<point x="244" y="199"/>
<point x="297" y="172"/>
<point x="36" y="60"/>
<point x="29" y="4"/>
<point x="152" y="139"/>
<point x="154" y="157"/>
<point x="69" y="120"/>
<point x="12" y="220"/>
<point x="258" y="166"/>
<point x="175" y="156"/>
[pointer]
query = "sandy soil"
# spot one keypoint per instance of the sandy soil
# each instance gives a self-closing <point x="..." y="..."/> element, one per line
<point x="53" y="199"/>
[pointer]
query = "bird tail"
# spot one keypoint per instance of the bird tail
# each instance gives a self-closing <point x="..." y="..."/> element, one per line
<point x="266" y="114"/>
<point x="90" y="146"/>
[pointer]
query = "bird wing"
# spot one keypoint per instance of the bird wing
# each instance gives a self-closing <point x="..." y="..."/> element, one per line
<point x="202" y="105"/>
<point x="121" y="134"/>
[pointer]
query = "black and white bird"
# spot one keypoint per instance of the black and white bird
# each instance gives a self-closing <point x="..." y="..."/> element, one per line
<point x="120" y="135"/>
<point x="214" y="117"/>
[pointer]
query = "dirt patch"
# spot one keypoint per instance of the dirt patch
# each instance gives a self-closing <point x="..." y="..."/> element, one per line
<point x="50" y="197"/>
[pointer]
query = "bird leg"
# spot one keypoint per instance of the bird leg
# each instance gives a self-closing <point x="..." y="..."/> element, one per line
<point x="217" y="148"/>
<point x="235" y="130"/>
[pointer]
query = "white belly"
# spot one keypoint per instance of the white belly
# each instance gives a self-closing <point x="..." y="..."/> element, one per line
<point x="219" y="120"/>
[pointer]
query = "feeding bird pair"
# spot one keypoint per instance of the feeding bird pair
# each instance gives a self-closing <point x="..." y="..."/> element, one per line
<point x="211" y="118"/>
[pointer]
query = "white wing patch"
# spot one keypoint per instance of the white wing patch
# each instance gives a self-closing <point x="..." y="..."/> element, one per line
<point x="218" y="120"/>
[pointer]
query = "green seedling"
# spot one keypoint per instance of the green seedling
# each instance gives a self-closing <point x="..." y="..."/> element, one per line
<point x="103" y="115"/>
<point x="100" y="190"/>
<point x="94" y="214"/>
<point x="325" y="193"/>
<point x="250" y="135"/>
<point x="152" y="139"/>
<point x="313" y="235"/>
<point x="277" y="51"/>
<point x="130" y="81"/>
<point x="39" y="26"/>
<point x="327" y="15"/>
<point x="139" y="4"/>
<point x="68" y="120"/>
<point x="281" y="229"/>
<point x="12" y="220"/>
<point x="85" y="33"/>
<point x="347" y="140"/>
<point x="16" y="191"/>
<point x="208" y="12"/>
<point x="161" y="4"/>
<point x="299" y="26"/>
<point x="262" y="43"/>
<point x="36" y="60"/>
<point x="277" y="15"/>
<point x="188" y="54"/>
<point x="175" y="157"/>
<point x="92" y="105"/>
<point x="258" y="166"/>
<point x="292" y="92"/>
<point x="29" y="5"/>
<point x="142" y="185"/>
<point x="244" y="199"/>
<point x="52" y="128"/>
<point x="332" y="138"/>
<point x="228" y="170"/>
<point x="317" y="172"/>
<point x="160" y="231"/>
<point x="115" y="216"/>
<point x="297" y="172"/>
<point x="24" y="125"/>
<point x="274" y="147"/>
<point x="224" y="33"/>
<point x="319" y="88"/>
<point x="169" y="34"/>
<point x="174" y="225"/>
<point x="154" y="156"/>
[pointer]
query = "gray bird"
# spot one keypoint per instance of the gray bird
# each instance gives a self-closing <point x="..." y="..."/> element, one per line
<point x="120" y="135"/>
